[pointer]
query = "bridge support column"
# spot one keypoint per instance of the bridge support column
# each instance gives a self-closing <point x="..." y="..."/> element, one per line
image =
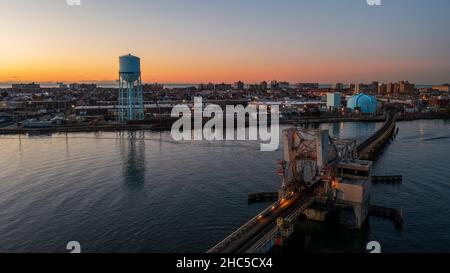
<point x="361" y="212"/>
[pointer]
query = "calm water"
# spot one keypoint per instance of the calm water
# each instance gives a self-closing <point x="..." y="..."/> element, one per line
<point x="145" y="193"/>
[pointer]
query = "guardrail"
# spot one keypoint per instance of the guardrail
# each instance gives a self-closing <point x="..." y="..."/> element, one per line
<point x="260" y="244"/>
<point x="256" y="248"/>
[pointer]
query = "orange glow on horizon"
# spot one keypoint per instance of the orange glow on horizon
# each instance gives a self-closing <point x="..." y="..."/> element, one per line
<point x="72" y="69"/>
<point x="47" y="41"/>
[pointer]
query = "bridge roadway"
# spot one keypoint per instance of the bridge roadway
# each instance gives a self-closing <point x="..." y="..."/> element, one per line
<point x="258" y="230"/>
<point x="256" y="233"/>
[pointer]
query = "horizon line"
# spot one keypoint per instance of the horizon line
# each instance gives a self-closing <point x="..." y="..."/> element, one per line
<point x="208" y="82"/>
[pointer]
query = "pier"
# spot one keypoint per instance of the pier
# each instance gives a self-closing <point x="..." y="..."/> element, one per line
<point x="387" y="179"/>
<point x="387" y="213"/>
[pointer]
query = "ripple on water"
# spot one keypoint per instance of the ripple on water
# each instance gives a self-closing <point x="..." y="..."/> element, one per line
<point x="119" y="193"/>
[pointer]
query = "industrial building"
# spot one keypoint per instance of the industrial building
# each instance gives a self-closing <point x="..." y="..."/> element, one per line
<point x="363" y="103"/>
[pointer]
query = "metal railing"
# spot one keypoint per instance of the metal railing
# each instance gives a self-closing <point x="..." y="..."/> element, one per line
<point x="261" y="243"/>
<point x="244" y="228"/>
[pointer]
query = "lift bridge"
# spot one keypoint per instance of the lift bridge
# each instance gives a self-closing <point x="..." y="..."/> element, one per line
<point x="316" y="169"/>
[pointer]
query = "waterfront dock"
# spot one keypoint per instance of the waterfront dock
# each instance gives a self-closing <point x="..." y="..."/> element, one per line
<point x="387" y="179"/>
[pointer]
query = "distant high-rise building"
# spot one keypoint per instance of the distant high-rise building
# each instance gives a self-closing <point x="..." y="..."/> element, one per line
<point x="274" y="85"/>
<point x="397" y="88"/>
<point x="406" y="88"/>
<point x="261" y="87"/>
<point x="382" y="89"/>
<point x="307" y="86"/>
<point x="338" y="86"/>
<point x="373" y="88"/>
<point x="223" y="87"/>
<point x="352" y="87"/>
<point x="392" y="88"/>
<point x="238" y="85"/>
<point x="264" y="85"/>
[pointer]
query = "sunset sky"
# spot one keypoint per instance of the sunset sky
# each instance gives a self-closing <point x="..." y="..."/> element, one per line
<point x="192" y="41"/>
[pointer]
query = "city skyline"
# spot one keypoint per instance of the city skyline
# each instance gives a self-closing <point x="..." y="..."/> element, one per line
<point x="226" y="41"/>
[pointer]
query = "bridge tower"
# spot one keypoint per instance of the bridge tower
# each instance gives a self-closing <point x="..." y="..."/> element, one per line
<point x="312" y="156"/>
<point x="306" y="154"/>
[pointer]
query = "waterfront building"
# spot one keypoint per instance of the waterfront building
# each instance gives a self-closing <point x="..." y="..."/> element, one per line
<point x="361" y="87"/>
<point x="333" y="101"/>
<point x="276" y="85"/>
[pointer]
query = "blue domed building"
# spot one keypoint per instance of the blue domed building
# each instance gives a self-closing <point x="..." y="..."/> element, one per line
<point x="364" y="103"/>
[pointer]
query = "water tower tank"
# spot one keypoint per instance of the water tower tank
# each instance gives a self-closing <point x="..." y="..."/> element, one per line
<point x="130" y="67"/>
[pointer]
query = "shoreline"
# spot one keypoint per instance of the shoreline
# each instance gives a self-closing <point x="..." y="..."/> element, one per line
<point x="166" y="125"/>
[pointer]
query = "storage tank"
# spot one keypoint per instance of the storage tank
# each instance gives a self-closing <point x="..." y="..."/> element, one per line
<point x="130" y="67"/>
<point x="366" y="104"/>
